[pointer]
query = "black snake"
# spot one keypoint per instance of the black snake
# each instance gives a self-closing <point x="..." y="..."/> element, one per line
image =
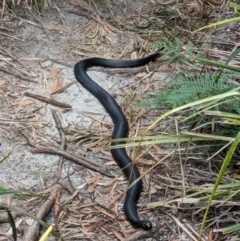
<point x="120" y="127"/>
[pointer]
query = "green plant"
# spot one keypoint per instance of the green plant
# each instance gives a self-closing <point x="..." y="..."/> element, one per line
<point x="225" y="21"/>
<point x="173" y="49"/>
<point x="194" y="85"/>
<point x="207" y="98"/>
<point x="190" y="87"/>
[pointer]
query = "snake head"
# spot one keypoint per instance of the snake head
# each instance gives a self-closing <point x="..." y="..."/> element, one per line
<point x="146" y="225"/>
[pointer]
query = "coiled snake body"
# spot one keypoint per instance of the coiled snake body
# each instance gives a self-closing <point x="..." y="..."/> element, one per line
<point x="120" y="127"/>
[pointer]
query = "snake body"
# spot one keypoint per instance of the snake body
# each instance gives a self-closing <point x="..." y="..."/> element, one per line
<point x="120" y="127"/>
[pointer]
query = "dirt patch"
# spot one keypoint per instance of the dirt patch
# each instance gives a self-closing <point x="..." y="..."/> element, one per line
<point x="43" y="54"/>
<point x="37" y="55"/>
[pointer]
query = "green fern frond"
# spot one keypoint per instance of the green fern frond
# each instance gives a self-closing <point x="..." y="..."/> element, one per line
<point x="191" y="86"/>
<point x="172" y="49"/>
<point x="195" y="86"/>
<point x="186" y="89"/>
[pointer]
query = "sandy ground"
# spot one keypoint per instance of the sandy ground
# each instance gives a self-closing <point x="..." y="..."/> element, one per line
<point x="45" y="51"/>
<point x="37" y="55"/>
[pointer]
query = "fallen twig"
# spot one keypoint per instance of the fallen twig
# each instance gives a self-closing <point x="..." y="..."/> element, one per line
<point x="31" y="233"/>
<point x="62" y="140"/>
<point x="17" y="75"/>
<point x="9" y="36"/>
<point x="81" y="161"/>
<point x="64" y="87"/>
<point x="66" y="186"/>
<point x="49" y="101"/>
<point x="62" y="147"/>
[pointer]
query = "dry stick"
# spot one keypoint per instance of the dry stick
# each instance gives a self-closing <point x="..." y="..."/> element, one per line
<point x="66" y="186"/>
<point x="6" y="52"/>
<point x="31" y="233"/>
<point x="49" y="101"/>
<point x="4" y="34"/>
<point x="29" y="140"/>
<point x="83" y="161"/>
<point x="52" y="151"/>
<point x="62" y="140"/>
<point x="64" y="87"/>
<point x="62" y="147"/>
<point x="12" y="66"/>
<point x="57" y="208"/>
<point x="17" y="75"/>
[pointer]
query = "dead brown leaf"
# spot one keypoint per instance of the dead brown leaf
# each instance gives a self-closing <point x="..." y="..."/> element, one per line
<point x="157" y="148"/>
<point x="34" y="135"/>
<point x="110" y="183"/>
<point x="88" y="205"/>
<point x="116" y="208"/>
<point x="54" y="73"/>
<point x="106" y="213"/>
<point x="147" y="87"/>
<point x="26" y="86"/>
<point x="141" y="75"/>
<point x="110" y="163"/>
<point x="116" y="198"/>
<point x="104" y="230"/>
<point x="89" y="234"/>
<point x="57" y="203"/>
<point x="57" y="85"/>
<point x="118" y="236"/>
<point x="210" y="235"/>
<point x="7" y="156"/>
<point x="147" y="162"/>
<point x="90" y="188"/>
<point x="62" y="30"/>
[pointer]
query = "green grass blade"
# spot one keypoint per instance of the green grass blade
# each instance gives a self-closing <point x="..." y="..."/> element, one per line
<point x="214" y="63"/>
<point x="231" y="229"/>
<point x="12" y="223"/>
<point x="163" y="139"/>
<point x="223" y="114"/>
<point x="233" y="92"/>
<point x="234" y="5"/>
<point x="184" y="136"/>
<point x="19" y="194"/>
<point x="232" y="55"/>
<point x="190" y="198"/>
<point x="1" y="161"/>
<point x="220" y="23"/>
<point x="224" y="166"/>
<point x="232" y="118"/>
<point x="44" y="224"/>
